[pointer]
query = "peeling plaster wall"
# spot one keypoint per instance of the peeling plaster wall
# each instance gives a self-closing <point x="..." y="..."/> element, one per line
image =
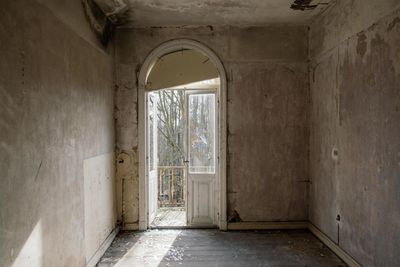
<point x="267" y="116"/>
<point x="355" y="129"/>
<point x="56" y="111"/>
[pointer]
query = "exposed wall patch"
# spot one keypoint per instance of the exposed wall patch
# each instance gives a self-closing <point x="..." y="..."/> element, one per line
<point x="235" y="217"/>
<point x="303" y="5"/>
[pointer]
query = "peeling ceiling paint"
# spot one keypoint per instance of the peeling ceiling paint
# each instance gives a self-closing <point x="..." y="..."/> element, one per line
<point x="112" y="8"/>
<point x="147" y="13"/>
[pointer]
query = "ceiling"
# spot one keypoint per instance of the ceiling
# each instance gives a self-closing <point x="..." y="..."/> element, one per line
<point x="147" y="13"/>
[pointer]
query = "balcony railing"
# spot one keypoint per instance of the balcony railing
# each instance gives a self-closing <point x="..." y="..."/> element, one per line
<point x="171" y="186"/>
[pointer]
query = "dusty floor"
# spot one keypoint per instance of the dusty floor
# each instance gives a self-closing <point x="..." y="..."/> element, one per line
<point x="217" y="248"/>
<point x="173" y="216"/>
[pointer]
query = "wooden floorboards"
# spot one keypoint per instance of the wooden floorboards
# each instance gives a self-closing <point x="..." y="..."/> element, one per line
<point x="292" y="248"/>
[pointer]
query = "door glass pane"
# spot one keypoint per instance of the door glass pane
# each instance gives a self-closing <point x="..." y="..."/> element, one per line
<point x="201" y="133"/>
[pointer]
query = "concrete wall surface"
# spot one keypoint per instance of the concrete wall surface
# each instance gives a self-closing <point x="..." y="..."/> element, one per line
<point x="56" y="106"/>
<point x="355" y="126"/>
<point x="267" y="116"/>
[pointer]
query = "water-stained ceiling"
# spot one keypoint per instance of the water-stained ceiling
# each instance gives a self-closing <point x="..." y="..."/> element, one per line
<point x="145" y="13"/>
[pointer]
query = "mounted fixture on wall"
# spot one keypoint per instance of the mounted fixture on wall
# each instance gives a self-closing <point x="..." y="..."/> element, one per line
<point x="103" y="15"/>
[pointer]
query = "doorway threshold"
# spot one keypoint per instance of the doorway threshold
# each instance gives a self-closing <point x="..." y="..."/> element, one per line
<point x="175" y="218"/>
<point x="152" y="227"/>
<point x="169" y="217"/>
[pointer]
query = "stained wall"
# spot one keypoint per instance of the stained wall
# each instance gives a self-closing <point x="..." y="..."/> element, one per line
<point x="56" y="136"/>
<point x="268" y="95"/>
<point x="355" y="126"/>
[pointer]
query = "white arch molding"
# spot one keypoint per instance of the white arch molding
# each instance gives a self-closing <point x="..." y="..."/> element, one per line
<point x="161" y="50"/>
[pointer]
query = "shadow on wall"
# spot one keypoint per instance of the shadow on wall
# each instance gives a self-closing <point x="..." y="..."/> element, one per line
<point x="28" y="236"/>
<point x="56" y="105"/>
<point x="31" y="253"/>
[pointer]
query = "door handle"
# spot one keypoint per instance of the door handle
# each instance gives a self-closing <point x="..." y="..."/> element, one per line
<point x="185" y="161"/>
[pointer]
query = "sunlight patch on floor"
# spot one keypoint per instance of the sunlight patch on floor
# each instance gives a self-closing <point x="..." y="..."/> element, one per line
<point x="151" y="249"/>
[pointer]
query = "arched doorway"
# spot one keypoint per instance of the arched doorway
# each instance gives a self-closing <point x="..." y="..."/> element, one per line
<point x="218" y="189"/>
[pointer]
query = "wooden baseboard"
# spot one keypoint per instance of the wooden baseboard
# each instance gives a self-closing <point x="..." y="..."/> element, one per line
<point x="102" y="249"/>
<point x="333" y="246"/>
<point x="267" y="225"/>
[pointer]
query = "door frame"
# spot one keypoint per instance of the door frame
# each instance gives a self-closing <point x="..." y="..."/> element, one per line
<point x="161" y="50"/>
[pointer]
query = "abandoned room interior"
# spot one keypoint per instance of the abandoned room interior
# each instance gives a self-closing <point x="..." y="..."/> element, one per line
<point x="199" y="133"/>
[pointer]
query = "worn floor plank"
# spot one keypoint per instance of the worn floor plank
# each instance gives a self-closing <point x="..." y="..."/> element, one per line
<point x="217" y="248"/>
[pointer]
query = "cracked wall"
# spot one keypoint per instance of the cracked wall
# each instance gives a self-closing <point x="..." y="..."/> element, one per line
<point x="267" y="116"/>
<point x="355" y="126"/>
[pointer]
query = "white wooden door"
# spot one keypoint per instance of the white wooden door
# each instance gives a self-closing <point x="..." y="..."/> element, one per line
<point x="152" y="158"/>
<point x="201" y="159"/>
